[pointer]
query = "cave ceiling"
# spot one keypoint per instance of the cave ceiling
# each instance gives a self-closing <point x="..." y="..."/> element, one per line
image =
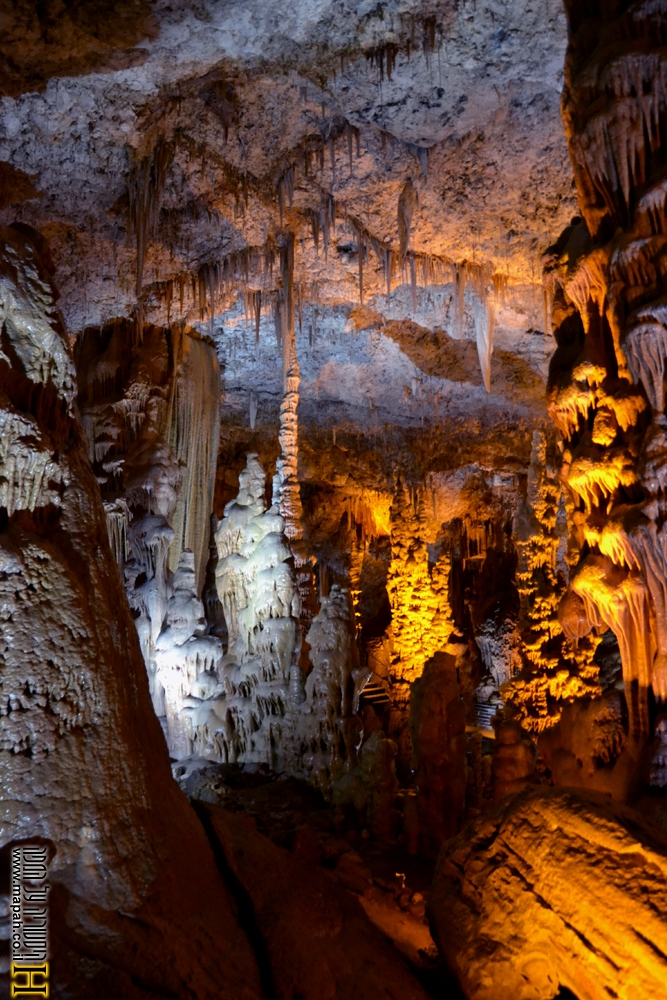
<point x="429" y="134"/>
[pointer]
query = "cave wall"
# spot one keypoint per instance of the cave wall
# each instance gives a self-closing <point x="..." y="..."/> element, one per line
<point x="606" y="391"/>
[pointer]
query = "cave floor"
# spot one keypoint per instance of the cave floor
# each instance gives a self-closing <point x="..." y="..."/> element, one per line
<point x="391" y="884"/>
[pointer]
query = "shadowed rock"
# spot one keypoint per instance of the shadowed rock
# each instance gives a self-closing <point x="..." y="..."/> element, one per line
<point x="319" y="942"/>
<point x="137" y="905"/>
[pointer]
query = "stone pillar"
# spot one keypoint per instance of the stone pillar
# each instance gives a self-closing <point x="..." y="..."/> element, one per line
<point x="439" y="747"/>
<point x="83" y="763"/>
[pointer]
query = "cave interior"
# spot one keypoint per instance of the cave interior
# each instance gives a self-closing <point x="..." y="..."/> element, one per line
<point x="333" y="498"/>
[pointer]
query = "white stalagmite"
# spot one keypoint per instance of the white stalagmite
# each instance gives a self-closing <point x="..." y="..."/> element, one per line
<point x="185" y="657"/>
<point x="243" y="718"/>
<point x="247" y="706"/>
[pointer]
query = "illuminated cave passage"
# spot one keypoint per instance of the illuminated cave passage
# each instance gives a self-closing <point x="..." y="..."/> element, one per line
<point x="333" y="502"/>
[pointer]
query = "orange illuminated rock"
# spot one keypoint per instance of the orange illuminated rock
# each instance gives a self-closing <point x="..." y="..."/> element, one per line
<point x="554" y="889"/>
<point x="513" y="760"/>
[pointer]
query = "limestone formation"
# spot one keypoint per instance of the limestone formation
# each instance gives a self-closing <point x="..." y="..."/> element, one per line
<point x="421" y="617"/>
<point x="554" y="671"/>
<point x="328" y="726"/>
<point x="439" y="746"/>
<point x="606" y="391"/>
<point x="554" y="890"/>
<point x="246" y="720"/>
<point x="84" y="767"/>
<point x="332" y="459"/>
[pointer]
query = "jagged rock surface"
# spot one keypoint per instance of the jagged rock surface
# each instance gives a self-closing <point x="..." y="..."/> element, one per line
<point x="554" y="890"/>
<point x="606" y="386"/>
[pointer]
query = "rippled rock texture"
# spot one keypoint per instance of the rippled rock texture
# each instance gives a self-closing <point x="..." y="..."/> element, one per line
<point x="554" y="889"/>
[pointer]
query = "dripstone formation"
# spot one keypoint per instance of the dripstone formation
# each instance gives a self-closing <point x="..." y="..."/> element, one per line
<point x="333" y="555"/>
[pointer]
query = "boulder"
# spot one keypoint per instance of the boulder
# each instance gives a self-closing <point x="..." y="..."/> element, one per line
<point x="554" y="889"/>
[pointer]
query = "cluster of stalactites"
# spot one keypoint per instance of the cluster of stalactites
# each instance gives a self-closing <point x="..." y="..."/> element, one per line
<point x="258" y="272"/>
<point x="614" y="462"/>
<point x="154" y="447"/>
<point x="418" y="594"/>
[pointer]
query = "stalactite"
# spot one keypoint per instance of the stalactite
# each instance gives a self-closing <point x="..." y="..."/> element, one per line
<point x="145" y="188"/>
<point x="360" y="254"/>
<point x="31" y="476"/>
<point x="407" y="203"/>
<point x="118" y="520"/>
<point x="608" y="294"/>
<point x="252" y="410"/>
<point x="484" y="319"/>
<point x="193" y="423"/>
<point x="286" y="191"/>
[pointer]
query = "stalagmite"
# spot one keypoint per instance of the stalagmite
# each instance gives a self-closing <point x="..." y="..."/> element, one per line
<point x="421" y="617"/>
<point x="287" y="489"/>
<point x="186" y="659"/>
<point x="554" y="670"/>
<point x="243" y="717"/>
<point x="328" y="724"/>
<point x="83" y="765"/>
<point x="439" y="748"/>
